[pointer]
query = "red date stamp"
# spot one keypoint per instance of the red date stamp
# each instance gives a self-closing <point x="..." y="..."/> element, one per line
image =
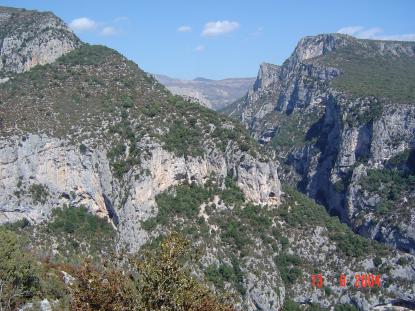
<point x="360" y="280"/>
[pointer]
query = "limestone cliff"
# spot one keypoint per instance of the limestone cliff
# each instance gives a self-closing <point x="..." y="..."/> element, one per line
<point x="114" y="141"/>
<point x="335" y="123"/>
<point x="30" y="38"/>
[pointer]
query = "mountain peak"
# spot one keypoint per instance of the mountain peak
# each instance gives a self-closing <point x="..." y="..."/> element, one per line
<point x="267" y="73"/>
<point x="29" y="38"/>
<point x="314" y="46"/>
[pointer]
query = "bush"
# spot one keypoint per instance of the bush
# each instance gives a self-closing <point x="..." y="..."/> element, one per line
<point x="345" y="307"/>
<point x="39" y="193"/>
<point x="18" y="273"/>
<point x="183" y="140"/>
<point x="87" y="55"/>
<point x="288" y="267"/>
<point x="290" y="305"/>
<point x="75" y="227"/>
<point x="82" y="148"/>
<point x="164" y="284"/>
<point x="183" y="200"/>
<point x="105" y="290"/>
<point x="232" y="195"/>
<point x="218" y="275"/>
<point x="377" y="261"/>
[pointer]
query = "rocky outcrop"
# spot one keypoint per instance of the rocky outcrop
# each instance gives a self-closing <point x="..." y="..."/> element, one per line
<point x="337" y="138"/>
<point x="30" y="38"/>
<point x="39" y="173"/>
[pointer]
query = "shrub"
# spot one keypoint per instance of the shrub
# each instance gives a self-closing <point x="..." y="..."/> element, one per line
<point x="183" y="200"/>
<point x="288" y="267"/>
<point x="82" y="149"/>
<point x="163" y="283"/>
<point x="377" y="261"/>
<point x="183" y="140"/>
<point x="18" y="275"/>
<point x="290" y="305"/>
<point x="106" y="290"/>
<point x="39" y="193"/>
<point x="76" y="226"/>
<point x="345" y="307"/>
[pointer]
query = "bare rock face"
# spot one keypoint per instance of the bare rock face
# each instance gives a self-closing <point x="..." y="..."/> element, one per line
<point x="39" y="173"/>
<point x="329" y="140"/>
<point x="30" y="38"/>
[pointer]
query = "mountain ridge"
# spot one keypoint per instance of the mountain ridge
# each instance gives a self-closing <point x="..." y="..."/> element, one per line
<point x="91" y="134"/>
<point x="213" y="94"/>
<point x="331" y="118"/>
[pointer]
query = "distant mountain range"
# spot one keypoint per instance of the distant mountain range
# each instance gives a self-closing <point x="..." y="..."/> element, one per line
<point x="214" y="94"/>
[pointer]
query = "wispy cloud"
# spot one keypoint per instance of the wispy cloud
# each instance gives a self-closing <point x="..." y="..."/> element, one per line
<point x="83" y="24"/>
<point x="86" y="24"/>
<point x="184" y="28"/>
<point x="121" y="19"/>
<point x="218" y="28"/>
<point x="374" y="33"/>
<point x="258" y="31"/>
<point x="200" y="48"/>
<point x="108" y="31"/>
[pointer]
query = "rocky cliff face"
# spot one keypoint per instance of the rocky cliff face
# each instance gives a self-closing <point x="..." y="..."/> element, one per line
<point x="115" y="141"/>
<point x="118" y="143"/>
<point x="333" y="138"/>
<point x="30" y="38"/>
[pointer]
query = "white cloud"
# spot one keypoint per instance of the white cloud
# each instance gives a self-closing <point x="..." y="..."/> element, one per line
<point x="374" y="33"/>
<point x="212" y="29"/>
<point x="83" y="24"/>
<point x="184" y="28"/>
<point x="370" y="33"/>
<point x="200" y="48"/>
<point x="350" y="30"/>
<point x="108" y="31"/>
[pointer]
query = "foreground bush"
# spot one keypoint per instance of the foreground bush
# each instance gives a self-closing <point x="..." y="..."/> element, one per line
<point x="160" y="281"/>
<point x="18" y="273"/>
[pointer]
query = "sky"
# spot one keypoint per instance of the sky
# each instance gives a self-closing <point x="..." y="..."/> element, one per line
<point x="219" y="39"/>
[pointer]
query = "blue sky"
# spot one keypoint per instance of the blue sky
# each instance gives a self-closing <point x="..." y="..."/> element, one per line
<point x="222" y="38"/>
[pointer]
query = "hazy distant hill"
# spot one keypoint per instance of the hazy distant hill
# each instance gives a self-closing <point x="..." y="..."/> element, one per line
<point x="214" y="94"/>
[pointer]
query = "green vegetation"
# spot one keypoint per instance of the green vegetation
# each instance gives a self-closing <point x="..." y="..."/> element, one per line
<point x="218" y="275"/>
<point x="39" y="193"/>
<point x="87" y="55"/>
<point x="288" y="266"/>
<point x="345" y="307"/>
<point x="295" y="130"/>
<point x="359" y="115"/>
<point x="82" y="148"/>
<point x="18" y="276"/>
<point x="82" y="231"/>
<point x="157" y="280"/>
<point x="184" y="140"/>
<point x="306" y="212"/>
<point x="71" y="220"/>
<point x="290" y="305"/>
<point x="367" y="73"/>
<point x="117" y="105"/>
<point x="184" y="201"/>
<point x="389" y="183"/>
